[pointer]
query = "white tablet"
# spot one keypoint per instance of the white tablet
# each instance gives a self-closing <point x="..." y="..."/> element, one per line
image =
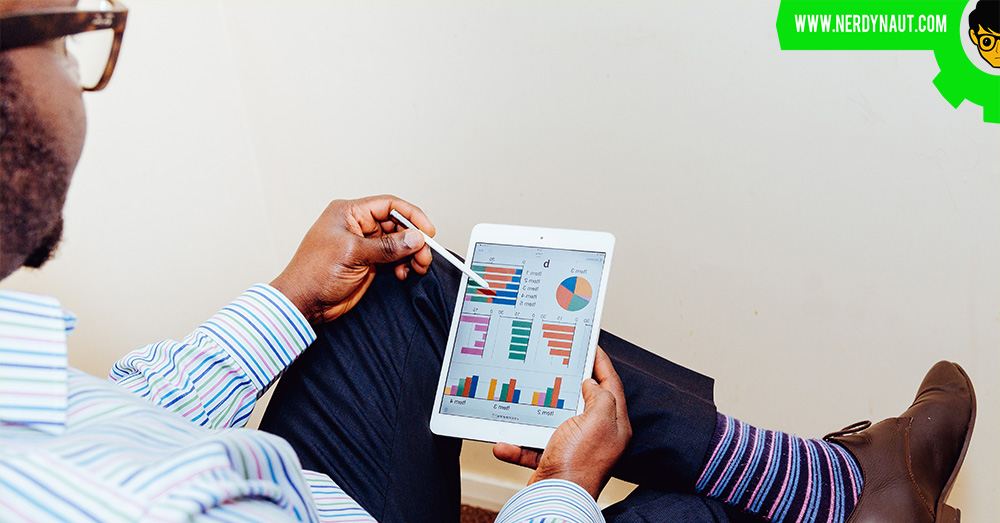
<point x="518" y="353"/>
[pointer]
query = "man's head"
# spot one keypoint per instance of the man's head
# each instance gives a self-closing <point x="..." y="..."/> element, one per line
<point x="984" y="29"/>
<point x="42" y="119"/>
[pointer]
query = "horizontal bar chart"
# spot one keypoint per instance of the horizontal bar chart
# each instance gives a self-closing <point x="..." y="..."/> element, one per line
<point x="559" y="339"/>
<point x="520" y="332"/>
<point x="473" y="329"/>
<point x="505" y="282"/>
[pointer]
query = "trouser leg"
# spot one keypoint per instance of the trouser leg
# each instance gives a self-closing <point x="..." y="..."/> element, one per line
<point x="672" y="414"/>
<point x="673" y="417"/>
<point x="357" y="404"/>
<point x="652" y="506"/>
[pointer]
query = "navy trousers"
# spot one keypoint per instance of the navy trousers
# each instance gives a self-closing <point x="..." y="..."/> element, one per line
<point x="356" y="406"/>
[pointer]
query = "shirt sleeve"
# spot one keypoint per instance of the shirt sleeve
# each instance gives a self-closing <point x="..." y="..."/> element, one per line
<point x="214" y="376"/>
<point x="332" y="506"/>
<point x="551" y="501"/>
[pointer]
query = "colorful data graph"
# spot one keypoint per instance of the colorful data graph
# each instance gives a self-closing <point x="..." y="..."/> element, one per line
<point x="507" y="393"/>
<point x="549" y="398"/>
<point x="472" y="328"/>
<point x="520" y="332"/>
<point x="504" y="280"/>
<point x="559" y="338"/>
<point x="466" y="387"/>
<point x="574" y="293"/>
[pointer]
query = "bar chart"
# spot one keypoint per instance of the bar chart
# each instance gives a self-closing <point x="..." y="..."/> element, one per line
<point x="520" y="333"/>
<point x="504" y="280"/>
<point x="466" y="387"/>
<point x="472" y="331"/>
<point x="508" y="392"/>
<point x="549" y="398"/>
<point x="558" y="338"/>
<point x="518" y="351"/>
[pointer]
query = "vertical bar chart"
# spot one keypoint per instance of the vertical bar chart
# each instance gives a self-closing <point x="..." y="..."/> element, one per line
<point x="508" y="392"/>
<point x="559" y="339"/>
<point x="466" y="387"/>
<point x="473" y="328"/>
<point x="504" y="280"/>
<point x="549" y="398"/>
<point x="520" y="332"/>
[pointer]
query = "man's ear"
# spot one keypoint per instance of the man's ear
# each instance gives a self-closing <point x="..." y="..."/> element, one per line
<point x="972" y="35"/>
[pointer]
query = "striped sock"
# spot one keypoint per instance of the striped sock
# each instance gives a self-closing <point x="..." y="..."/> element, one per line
<point x="778" y="476"/>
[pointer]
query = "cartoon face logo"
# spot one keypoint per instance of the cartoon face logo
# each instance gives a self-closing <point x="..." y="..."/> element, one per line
<point x="984" y="30"/>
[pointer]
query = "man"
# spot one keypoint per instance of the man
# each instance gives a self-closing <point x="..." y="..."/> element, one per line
<point x="984" y="29"/>
<point x="162" y="442"/>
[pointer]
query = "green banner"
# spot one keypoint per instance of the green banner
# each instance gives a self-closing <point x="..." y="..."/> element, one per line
<point x="886" y="25"/>
<point x="896" y="25"/>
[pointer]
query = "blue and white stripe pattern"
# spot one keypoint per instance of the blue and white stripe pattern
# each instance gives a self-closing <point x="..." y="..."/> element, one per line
<point x="551" y="501"/>
<point x="33" y="361"/>
<point x="163" y="441"/>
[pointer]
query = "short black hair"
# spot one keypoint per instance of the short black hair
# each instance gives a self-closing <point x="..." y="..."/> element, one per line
<point x="986" y="14"/>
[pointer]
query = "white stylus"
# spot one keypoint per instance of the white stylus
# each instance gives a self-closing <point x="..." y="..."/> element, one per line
<point x="441" y="250"/>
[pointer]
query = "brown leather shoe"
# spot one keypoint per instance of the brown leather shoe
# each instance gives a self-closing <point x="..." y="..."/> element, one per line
<point x="910" y="463"/>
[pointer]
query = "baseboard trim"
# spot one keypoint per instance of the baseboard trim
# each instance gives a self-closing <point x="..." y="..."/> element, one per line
<point x="486" y="492"/>
<point x="491" y="493"/>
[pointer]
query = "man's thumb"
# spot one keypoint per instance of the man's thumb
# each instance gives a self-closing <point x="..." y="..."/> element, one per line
<point x="390" y="247"/>
<point x="590" y="390"/>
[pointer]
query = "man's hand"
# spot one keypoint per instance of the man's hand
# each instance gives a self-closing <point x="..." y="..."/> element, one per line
<point x="335" y="262"/>
<point x="584" y="448"/>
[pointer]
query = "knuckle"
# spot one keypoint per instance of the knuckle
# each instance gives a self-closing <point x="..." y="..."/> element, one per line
<point x="387" y="247"/>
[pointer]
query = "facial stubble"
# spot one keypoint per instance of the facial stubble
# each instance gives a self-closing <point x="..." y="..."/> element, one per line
<point x="34" y="179"/>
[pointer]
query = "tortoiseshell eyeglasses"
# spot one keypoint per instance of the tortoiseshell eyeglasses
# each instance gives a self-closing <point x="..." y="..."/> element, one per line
<point x="92" y="32"/>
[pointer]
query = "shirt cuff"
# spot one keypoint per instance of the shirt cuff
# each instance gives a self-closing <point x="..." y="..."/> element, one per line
<point x="262" y="331"/>
<point x="551" y="500"/>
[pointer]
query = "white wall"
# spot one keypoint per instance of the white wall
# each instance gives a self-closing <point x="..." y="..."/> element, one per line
<point x="813" y="229"/>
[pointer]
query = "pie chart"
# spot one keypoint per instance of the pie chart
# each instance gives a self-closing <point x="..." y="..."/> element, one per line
<point x="574" y="293"/>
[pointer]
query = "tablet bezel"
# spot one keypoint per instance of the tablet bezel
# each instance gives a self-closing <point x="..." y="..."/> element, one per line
<point x="530" y="237"/>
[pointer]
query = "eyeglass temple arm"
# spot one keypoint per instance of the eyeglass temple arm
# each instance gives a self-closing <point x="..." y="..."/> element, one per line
<point x="24" y="29"/>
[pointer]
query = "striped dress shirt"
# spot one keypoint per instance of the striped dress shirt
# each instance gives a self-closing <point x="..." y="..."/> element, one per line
<point x="162" y="441"/>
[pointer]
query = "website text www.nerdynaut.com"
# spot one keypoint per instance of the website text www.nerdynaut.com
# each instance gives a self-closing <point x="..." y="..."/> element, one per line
<point x="882" y="23"/>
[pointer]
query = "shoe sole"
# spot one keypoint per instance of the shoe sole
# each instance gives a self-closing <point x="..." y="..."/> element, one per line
<point x="946" y="513"/>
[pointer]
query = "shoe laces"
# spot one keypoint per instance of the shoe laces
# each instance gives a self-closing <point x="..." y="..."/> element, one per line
<point x="850" y="429"/>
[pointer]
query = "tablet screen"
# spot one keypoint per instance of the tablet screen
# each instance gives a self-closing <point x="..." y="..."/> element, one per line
<point x="520" y="350"/>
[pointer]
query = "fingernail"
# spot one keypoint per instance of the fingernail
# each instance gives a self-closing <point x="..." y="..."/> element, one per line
<point x="412" y="238"/>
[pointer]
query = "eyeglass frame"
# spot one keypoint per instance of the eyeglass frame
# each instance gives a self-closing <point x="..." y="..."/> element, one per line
<point x="25" y="28"/>
<point x="979" y="38"/>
